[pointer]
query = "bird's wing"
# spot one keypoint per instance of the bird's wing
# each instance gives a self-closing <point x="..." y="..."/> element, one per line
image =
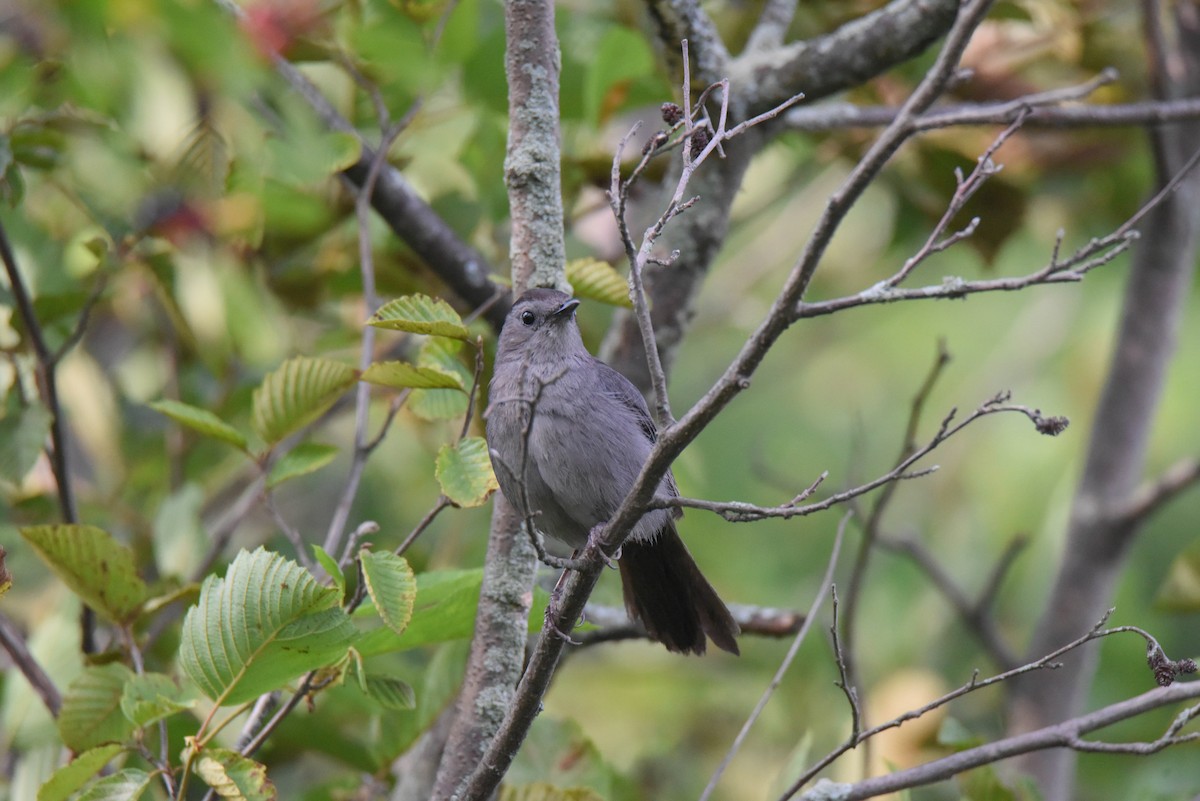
<point x="621" y="388"/>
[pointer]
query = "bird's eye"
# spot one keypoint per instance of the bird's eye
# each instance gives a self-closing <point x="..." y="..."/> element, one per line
<point x="527" y="318"/>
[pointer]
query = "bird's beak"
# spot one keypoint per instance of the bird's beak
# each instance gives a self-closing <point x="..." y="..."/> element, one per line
<point x="567" y="309"/>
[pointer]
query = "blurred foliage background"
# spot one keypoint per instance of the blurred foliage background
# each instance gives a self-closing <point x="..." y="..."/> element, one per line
<point x="159" y="175"/>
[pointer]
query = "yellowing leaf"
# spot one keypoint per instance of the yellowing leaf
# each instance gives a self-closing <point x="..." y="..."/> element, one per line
<point x="95" y="566"/>
<point x="296" y="394"/>
<point x="464" y="471"/>
<point x="403" y="374"/>
<point x="597" y="280"/>
<point x="234" y="776"/>
<point x="420" y="314"/>
<point x="392" y="586"/>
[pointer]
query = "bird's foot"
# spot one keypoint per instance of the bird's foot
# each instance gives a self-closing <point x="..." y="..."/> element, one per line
<point x="595" y="546"/>
<point x="553" y="608"/>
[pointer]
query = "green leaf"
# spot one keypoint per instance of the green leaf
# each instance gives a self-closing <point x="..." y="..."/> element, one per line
<point x="265" y="623"/>
<point x="441" y="404"/>
<point x="403" y="374"/>
<point x="420" y="314"/>
<point x="331" y="567"/>
<point x="305" y="458"/>
<point x="22" y="437"/>
<point x="91" y="709"/>
<point x="124" y="785"/>
<point x="201" y="421"/>
<point x="391" y="693"/>
<point x="78" y="772"/>
<point x="559" y="753"/>
<point x="444" y="611"/>
<point x="94" y="565"/>
<point x="620" y="57"/>
<point x="598" y="280"/>
<point x="150" y="697"/>
<point x="464" y="471"/>
<point x="296" y="394"/>
<point x="392" y="586"/>
<point x="234" y="776"/>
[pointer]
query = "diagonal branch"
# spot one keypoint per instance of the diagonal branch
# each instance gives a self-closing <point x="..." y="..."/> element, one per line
<point x="579" y="584"/>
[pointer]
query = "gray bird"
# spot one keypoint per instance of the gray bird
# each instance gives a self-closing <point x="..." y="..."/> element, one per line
<point x="568" y="436"/>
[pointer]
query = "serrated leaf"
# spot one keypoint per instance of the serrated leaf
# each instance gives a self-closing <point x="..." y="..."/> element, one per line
<point x="598" y="280"/>
<point x="150" y="697"/>
<point x="392" y="586"/>
<point x="22" y="437"/>
<point x="464" y="472"/>
<point x="441" y="404"/>
<point x="265" y="623"/>
<point x="91" y="708"/>
<point x="234" y="776"/>
<point x="296" y="394"/>
<point x="331" y="567"/>
<point x="124" y="785"/>
<point x="402" y="374"/>
<point x="305" y="458"/>
<point x="201" y="421"/>
<point x="94" y="565"/>
<point x="391" y="692"/>
<point x="78" y="772"/>
<point x="420" y="314"/>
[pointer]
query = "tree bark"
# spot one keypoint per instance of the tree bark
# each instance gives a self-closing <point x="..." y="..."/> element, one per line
<point x="1100" y="533"/>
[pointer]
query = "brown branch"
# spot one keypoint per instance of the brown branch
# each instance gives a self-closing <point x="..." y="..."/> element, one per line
<point x="18" y="651"/>
<point x="613" y="624"/>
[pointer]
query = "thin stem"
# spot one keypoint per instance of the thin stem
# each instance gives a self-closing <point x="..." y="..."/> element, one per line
<point x="785" y="664"/>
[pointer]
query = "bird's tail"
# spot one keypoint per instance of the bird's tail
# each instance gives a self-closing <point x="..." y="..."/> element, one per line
<point x="666" y="591"/>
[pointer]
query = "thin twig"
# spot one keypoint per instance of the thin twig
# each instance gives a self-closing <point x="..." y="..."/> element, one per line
<point x="742" y="512"/>
<point x="362" y="449"/>
<point x="442" y="503"/>
<point x="18" y="651"/>
<point x="789" y="657"/>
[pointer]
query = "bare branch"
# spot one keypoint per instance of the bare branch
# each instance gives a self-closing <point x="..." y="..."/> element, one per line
<point x="772" y="25"/>
<point x="14" y="643"/>
<point x="789" y="657"/>
<point x="742" y="512"/>
<point x="614" y="624"/>
<point x="1062" y="735"/>
<point x="1149" y="498"/>
<point x="362" y="396"/>
<point x="1046" y="662"/>
<point x="846" y="57"/>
